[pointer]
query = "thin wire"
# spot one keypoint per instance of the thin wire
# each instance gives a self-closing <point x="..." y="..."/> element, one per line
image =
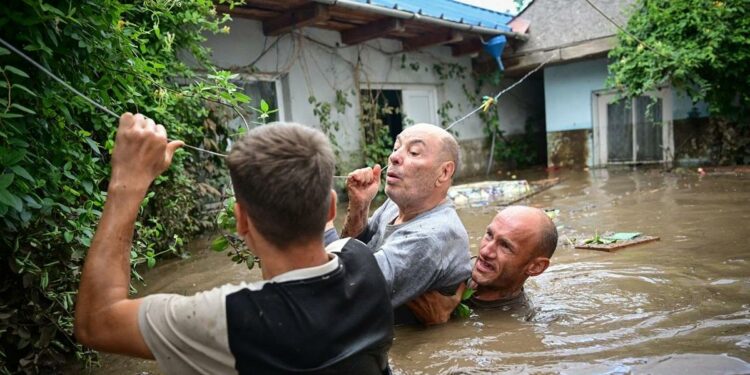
<point x="112" y="113"/>
<point x="496" y="97"/>
<point x="502" y="92"/>
<point x="91" y="101"/>
<point x="626" y="31"/>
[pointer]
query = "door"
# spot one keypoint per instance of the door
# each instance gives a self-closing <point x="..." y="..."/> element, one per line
<point x="420" y="105"/>
<point x="633" y="131"/>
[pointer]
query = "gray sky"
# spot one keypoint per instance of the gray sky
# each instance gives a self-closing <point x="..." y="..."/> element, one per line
<point x="498" y="5"/>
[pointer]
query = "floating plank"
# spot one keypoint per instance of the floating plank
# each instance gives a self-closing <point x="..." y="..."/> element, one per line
<point x="296" y="18"/>
<point x="617" y="245"/>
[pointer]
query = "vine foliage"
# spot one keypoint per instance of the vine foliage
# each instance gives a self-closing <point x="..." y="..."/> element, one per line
<point x="700" y="47"/>
<point x="55" y="150"/>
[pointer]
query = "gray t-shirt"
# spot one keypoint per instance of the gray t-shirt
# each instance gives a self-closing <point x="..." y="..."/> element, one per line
<point x="429" y="252"/>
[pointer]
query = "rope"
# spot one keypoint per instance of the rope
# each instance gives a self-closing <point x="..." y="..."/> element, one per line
<point x="115" y="115"/>
<point x="86" y="98"/>
<point x="481" y="107"/>
<point x="628" y="33"/>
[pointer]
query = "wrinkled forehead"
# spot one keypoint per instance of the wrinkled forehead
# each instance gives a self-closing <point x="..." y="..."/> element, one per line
<point x="429" y="134"/>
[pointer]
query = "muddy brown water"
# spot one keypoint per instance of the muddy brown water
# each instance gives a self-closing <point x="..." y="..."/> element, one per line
<point x="680" y="305"/>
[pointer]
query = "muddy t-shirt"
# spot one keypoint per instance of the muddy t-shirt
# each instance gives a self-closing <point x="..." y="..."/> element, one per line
<point x="428" y="252"/>
<point x="333" y="318"/>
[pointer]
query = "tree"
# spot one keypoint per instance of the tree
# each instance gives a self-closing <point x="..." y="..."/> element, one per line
<point x="699" y="46"/>
<point x="54" y="150"/>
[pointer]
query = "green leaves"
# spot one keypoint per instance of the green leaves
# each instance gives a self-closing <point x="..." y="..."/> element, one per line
<point x="6" y="197"/>
<point x="228" y="238"/>
<point x="462" y="310"/>
<point x="5" y="180"/>
<point x="15" y="71"/>
<point x="696" y="46"/>
<point x="468" y="292"/>
<point x="53" y="171"/>
<point x="219" y="244"/>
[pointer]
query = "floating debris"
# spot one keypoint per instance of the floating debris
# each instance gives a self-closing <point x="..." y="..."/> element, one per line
<point x="480" y="194"/>
<point x="614" y="241"/>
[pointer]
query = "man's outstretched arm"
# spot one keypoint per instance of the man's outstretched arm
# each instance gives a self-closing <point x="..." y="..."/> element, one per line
<point x="105" y="319"/>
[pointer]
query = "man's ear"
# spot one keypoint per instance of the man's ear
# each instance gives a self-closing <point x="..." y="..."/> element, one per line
<point x="332" y="206"/>
<point x="240" y="216"/>
<point x="446" y="172"/>
<point x="537" y="266"/>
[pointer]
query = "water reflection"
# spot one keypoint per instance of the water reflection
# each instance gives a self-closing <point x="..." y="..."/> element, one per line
<point x="679" y="305"/>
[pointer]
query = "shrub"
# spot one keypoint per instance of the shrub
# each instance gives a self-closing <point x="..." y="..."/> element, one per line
<point x="55" y="147"/>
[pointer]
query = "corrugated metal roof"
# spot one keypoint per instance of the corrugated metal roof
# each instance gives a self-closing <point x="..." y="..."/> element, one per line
<point x="448" y="10"/>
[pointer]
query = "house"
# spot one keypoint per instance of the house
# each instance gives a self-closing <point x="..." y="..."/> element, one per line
<point x="586" y="123"/>
<point x="350" y="67"/>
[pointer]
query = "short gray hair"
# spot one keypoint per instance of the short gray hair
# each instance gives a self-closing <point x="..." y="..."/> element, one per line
<point x="451" y="151"/>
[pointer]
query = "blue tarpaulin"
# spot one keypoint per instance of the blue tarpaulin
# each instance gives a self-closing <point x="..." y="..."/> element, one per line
<point x="448" y="10"/>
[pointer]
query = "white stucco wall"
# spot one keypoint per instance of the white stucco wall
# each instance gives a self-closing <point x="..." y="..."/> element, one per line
<point x="307" y="68"/>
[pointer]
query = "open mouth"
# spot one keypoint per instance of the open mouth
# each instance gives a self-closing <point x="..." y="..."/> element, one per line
<point x="484" y="266"/>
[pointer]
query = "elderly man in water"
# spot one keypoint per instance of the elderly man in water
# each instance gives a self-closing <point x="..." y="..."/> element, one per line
<point x="416" y="235"/>
<point x="518" y="244"/>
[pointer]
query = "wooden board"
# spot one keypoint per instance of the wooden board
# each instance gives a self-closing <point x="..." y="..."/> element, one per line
<point x="618" y="245"/>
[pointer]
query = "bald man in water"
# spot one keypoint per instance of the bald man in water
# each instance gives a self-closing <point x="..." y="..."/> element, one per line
<point x="418" y="240"/>
<point x="518" y="244"/>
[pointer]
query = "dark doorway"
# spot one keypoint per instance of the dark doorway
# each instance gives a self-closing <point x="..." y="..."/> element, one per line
<point x="385" y="105"/>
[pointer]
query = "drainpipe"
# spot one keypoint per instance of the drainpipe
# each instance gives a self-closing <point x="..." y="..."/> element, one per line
<point x="402" y="14"/>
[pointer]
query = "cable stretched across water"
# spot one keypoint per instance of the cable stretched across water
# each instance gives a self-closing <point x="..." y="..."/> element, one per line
<point x="115" y="115"/>
<point x="84" y="97"/>
<point x="477" y="109"/>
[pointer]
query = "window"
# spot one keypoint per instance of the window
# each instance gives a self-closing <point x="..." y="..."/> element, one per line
<point x="632" y="131"/>
<point x="257" y="90"/>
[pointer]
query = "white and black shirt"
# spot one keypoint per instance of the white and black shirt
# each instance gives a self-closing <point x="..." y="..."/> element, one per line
<point x="333" y="318"/>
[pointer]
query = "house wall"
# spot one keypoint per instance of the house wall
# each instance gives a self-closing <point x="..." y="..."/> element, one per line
<point x="567" y="97"/>
<point x="517" y="105"/>
<point x="307" y="68"/>
<point x="567" y="93"/>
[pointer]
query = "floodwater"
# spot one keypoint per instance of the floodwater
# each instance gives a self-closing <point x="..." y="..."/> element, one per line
<point x="678" y="305"/>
